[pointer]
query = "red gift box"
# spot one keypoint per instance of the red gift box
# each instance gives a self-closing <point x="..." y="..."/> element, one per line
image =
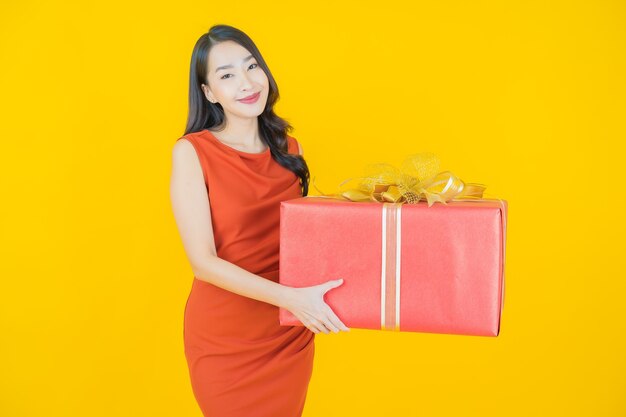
<point x="406" y="267"/>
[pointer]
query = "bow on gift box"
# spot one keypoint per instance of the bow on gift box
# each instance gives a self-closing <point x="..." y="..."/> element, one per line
<point x="419" y="178"/>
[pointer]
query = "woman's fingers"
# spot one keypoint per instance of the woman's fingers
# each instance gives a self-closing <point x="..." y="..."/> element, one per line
<point x="326" y="324"/>
<point x="313" y="312"/>
<point x="332" y="317"/>
<point x="331" y="324"/>
<point x="317" y="325"/>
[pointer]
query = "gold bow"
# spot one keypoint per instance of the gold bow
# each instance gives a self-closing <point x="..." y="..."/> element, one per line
<point x="418" y="179"/>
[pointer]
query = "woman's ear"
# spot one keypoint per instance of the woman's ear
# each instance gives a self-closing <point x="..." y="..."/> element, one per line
<point x="207" y="93"/>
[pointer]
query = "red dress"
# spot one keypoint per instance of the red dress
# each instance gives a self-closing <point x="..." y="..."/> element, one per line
<point x="241" y="361"/>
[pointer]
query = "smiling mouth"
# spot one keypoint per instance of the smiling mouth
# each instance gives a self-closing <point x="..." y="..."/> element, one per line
<point x="252" y="97"/>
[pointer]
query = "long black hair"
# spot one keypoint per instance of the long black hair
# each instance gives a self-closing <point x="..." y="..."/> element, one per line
<point x="204" y="115"/>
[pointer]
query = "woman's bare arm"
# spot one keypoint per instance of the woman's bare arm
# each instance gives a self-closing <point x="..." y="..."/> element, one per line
<point x="191" y="207"/>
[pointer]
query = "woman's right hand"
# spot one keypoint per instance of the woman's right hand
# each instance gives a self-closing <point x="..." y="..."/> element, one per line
<point x="308" y="305"/>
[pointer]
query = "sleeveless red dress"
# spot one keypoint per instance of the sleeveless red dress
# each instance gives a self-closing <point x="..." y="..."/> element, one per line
<point x="241" y="361"/>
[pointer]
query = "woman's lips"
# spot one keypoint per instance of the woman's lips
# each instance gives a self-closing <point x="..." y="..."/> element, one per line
<point x="252" y="99"/>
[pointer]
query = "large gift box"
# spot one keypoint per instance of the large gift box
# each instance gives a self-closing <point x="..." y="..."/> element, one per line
<point x="406" y="267"/>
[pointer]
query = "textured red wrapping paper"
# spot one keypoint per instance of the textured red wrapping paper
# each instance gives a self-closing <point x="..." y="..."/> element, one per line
<point x="406" y="267"/>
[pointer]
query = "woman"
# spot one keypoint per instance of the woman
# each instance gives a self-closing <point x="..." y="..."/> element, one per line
<point x="230" y="171"/>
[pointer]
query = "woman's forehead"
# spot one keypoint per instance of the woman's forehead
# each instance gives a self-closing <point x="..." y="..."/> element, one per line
<point x="227" y="53"/>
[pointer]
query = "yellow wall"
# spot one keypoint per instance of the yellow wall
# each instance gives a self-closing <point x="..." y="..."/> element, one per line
<point x="526" y="97"/>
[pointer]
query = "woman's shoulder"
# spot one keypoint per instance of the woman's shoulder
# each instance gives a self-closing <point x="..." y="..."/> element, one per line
<point x="194" y="141"/>
<point x="199" y="140"/>
<point x="292" y="145"/>
<point x="192" y="136"/>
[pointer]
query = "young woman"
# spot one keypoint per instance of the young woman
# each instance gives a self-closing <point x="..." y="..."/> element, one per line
<point x="230" y="171"/>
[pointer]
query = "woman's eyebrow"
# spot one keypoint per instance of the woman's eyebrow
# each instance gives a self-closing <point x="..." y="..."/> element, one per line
<point x="230" y="65"/>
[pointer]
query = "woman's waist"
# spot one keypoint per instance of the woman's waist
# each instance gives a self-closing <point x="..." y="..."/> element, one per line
<point x="217" y="294"/>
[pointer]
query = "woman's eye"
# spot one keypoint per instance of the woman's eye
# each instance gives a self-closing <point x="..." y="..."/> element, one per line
<point x="223" y="77"/>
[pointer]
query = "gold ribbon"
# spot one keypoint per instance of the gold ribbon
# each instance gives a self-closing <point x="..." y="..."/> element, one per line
<point x="390" y="268"/>
<point x="418" y="179"/>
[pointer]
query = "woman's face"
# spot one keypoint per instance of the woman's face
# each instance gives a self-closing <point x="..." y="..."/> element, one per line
<point x="234" y="74"/>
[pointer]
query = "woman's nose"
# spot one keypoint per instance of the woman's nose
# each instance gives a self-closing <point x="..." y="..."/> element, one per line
<point x="245" y="83"/>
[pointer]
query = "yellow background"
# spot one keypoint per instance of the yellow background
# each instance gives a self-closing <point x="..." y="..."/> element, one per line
<point x="526" y="97"/>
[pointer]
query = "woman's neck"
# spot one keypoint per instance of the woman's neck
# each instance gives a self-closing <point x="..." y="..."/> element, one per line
<point x="242" y="135"/>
